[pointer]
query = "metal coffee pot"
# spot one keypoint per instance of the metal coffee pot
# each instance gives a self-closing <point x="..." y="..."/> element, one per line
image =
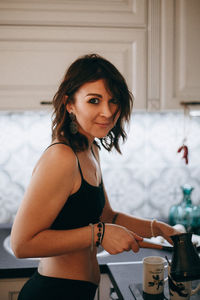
<point x="185" y="264"/>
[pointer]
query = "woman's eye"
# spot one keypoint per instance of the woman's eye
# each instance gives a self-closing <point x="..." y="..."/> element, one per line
<point x="94" y="100"/>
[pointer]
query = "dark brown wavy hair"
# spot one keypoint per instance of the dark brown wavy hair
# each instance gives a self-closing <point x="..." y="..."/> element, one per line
<point x="85" y="69"/>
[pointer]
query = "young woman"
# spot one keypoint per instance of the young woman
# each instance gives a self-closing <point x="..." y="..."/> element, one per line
<point x="65" y="213"/>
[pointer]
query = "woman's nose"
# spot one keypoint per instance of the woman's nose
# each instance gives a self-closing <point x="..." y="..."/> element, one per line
<point x="106" y="111"/>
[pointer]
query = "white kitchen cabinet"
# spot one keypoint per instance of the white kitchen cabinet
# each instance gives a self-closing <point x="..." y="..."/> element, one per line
<point x="155" y="44"/>
<point x="33" y="60"/>
<point x="38" y="44"/>
<point x="92" y="13"/>
<point x="173" y="49"/>
<point x="180" y="48"/>
<point x="9" y="288"/>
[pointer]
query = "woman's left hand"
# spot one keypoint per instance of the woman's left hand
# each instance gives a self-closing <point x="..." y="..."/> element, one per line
<point x="164" y="230"/>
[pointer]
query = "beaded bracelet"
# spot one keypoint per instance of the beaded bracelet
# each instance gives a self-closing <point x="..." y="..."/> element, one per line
<point x="100" y="234"/>
<point x="152" y="231"/>
<point x="103" y="232"/>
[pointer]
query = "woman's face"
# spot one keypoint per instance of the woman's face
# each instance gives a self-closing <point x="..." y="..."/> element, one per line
<point x="95" y="109"/>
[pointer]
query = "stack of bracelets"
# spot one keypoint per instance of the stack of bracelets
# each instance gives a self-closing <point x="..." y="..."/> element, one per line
<point x="100" y="234"/>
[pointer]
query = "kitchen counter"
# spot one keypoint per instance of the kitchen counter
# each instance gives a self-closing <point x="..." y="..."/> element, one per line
<point x="11" y="267"/>
<point x="123" y="269"/>
<point x="123" y="275"/>
<point x="127" y="281"/>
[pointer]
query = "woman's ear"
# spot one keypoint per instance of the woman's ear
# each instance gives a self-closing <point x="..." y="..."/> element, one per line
<point x="68" y="105"/>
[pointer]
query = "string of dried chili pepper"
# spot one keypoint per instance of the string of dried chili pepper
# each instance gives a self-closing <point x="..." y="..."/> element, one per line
<point x="184" y="148"/>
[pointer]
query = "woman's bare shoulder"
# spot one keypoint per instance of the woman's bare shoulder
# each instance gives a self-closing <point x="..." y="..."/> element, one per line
<point x="52" y="182"/>
<point x="59" y="156"/>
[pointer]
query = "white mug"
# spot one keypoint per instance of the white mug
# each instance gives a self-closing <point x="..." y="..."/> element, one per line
<point x="153" y="277"/>
<point x="180" y="290"/>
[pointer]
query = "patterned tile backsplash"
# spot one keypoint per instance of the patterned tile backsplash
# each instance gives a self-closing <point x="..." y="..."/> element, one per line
<point x="145" y="180"/>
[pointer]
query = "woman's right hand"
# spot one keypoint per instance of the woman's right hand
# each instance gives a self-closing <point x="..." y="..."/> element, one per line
<point x="118" y="239"/>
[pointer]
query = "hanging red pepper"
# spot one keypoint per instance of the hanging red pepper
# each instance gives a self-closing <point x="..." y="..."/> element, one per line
<point x="185" y="152"/>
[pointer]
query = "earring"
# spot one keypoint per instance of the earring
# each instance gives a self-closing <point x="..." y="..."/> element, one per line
<point x="73" y="125"/>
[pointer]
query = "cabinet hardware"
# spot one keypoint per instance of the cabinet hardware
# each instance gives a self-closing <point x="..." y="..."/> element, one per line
<point x="46" y="102"/>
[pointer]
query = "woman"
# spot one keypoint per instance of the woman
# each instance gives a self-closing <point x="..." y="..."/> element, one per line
<point x="65" y="213"/>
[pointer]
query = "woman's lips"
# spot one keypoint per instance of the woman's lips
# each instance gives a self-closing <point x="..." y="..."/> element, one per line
<point x="103" y="125"/>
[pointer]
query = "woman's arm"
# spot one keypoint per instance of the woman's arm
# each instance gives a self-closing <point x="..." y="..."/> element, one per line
<point x="145" y="227"/>
<point x="54" y="179"/>
<point x="128" y="231"/>
<point x="142" y="227"/>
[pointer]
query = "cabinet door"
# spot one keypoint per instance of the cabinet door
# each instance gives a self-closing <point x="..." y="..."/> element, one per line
<point x="33" y="60"/>
<point x="103" y="13"/>
<point x="103" y="292"/>
<point x="180" y="52"/>
<point x="10" y="288"/>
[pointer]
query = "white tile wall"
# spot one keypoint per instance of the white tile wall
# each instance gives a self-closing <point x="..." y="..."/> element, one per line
<point x="144" y="181"/>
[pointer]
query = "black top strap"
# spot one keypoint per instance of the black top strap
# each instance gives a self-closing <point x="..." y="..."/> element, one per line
<point x="72" y="150"/>
<point x="56" y="144"/>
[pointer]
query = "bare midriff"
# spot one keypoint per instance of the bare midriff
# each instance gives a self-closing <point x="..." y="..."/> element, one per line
<point x="77" y="265"/>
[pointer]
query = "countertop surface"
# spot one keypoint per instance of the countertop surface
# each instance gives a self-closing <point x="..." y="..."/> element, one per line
<point x="123" y="276"/>
<point x="13" y="267"/>
<point x="127" y="281"/>
<point x="123" y="269"/>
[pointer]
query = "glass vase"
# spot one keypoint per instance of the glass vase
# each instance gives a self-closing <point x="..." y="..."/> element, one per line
<point x="185" y="212"/>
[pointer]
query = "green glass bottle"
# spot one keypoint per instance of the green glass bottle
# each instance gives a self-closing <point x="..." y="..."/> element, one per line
<point x="186" y="213"/>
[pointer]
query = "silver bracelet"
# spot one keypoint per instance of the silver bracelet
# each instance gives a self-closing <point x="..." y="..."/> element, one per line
<point x="152" y="231"/>
<point x="92" y="242"/>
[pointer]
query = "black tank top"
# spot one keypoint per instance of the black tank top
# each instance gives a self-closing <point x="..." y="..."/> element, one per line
<point x="81" y="208"/>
